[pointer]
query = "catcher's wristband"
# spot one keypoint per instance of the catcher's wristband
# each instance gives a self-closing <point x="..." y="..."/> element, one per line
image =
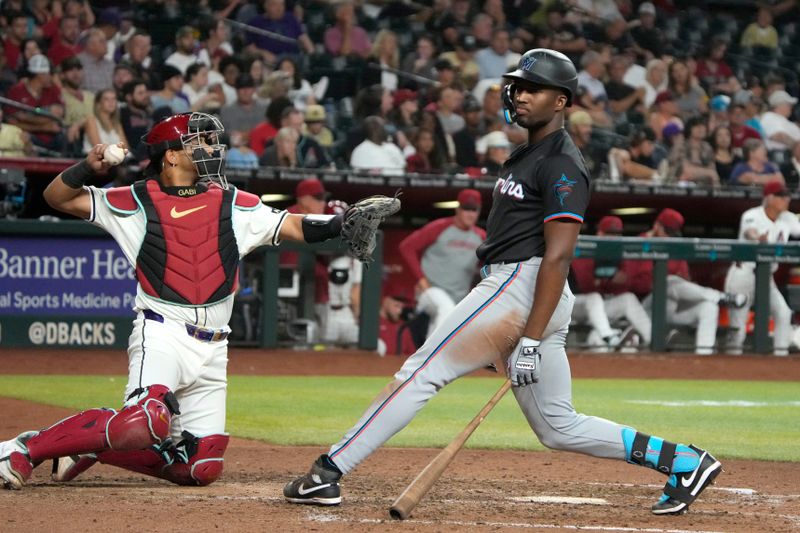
<point x="77" y="175"/>
<point x="318" y="228"/>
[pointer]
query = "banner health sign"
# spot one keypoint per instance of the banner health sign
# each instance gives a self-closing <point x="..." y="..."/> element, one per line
<point x="68" y="292"/>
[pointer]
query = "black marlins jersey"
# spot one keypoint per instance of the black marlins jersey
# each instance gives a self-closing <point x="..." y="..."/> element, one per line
<point x="538" y="183"/>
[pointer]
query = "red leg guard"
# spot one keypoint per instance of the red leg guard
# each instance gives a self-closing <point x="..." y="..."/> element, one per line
<point x="133" y="428"/>
<point x="205" y="462"/>
<point x="203" y="466"/>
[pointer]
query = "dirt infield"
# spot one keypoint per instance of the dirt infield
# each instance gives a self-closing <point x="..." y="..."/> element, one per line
<point x="481" y="491"/>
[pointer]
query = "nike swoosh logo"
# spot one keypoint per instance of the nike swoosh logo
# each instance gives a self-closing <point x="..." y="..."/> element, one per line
<point x="178" y="214"/>
<point x="303" y="491"/>
<point x="688" y="481"/>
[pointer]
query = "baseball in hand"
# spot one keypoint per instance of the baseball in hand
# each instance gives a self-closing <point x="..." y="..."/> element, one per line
<point x="113" y="154"/>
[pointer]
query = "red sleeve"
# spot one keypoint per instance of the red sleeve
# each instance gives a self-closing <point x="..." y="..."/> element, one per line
<point x="121" y="199"/>
<point x="584" y="274"/>
<point x="17" y="93"/>
<point x="246" y="200"/>
<point x="640" y="276"/>
<point x="413" y="246"/>
<point x="679" y="267"/>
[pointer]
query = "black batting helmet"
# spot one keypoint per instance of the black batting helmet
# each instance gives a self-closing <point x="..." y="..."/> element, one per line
<point x="543" y="67"/>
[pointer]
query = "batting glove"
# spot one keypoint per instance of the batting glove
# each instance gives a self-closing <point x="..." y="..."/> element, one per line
<point x="524" y="363"/>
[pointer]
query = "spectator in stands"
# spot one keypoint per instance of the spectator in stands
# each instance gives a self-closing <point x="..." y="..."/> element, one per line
<point x="719" y="107"/>
<point x="445" y="73"/>
<point x="616" y="34"/>
<point x="463" y="60"/>
<point x="185" y="53"/>
<point x="655" y="81"/>
<point x="771" y="222"/>
<point x="740" y="131"/>
<point x="664" y="112"/>
<point x="310" y="154"/>
<point x="761" y="33"/>
<point x="648" y="38"/>
<point x="452" y="20"/>
<point x="315" y="127"/>
<point x="346" y="37"/>
<point x="752" y="105"/>
<point x="386" y="53"/>
<point x="611" y="281"/>
<point x="122" y="74"/>
<point x="425" y="159"/>
<point x="394" y="334"/>
<point x="421" y="60"/>
<point x="791" y="169"/>
<point x="376" y="153"/>
<point x="136" y="116"/>
<point x="264" y="131"/>
<point x="441" y="257"/>
<point x="137" y="56"/>
<point x="37" y="90"/>
<point x="714" y="73"/>
<point x="45" y="16"/>
<point x="591" y="76"/>
<point x="98" y="72"/>
<point x="465" y="139"/>
<point x="566" y="37"/>
<point x="81" y="10"/>
<point x="239" y="155"/>
<point x="229" y="69"/>
<point x="780" y="133"/>
<point x="277" y="20"/>
<point x="14" y="142"/>
<point x="693" y="160"/>
<point x="283" y="151"/>
<point x="245" y="112"/>
<point x="214" y="43"/>
<point x="688" y="304"/>
<point x="373" y="100"/>
<point x="300" y="92"/>
<point x="30" y="47"/>
<point x="170" y="94"/>
<point x="725" y="159"/>
<point x="756" y="169"/>
<point x="15" y="33"/>
<point x="622" y="97"/>
<point x="482" y="28"/>
<point x="109" y="21"/>
<point x="689" y="96"/>
<point x="580" y="128"/>
<point x="254" y="65"/>
<point x="492" y="105"/>
<point x="78" y="104"/>
<point x="403" y="115"/>
<point x="65" y="43"/>
<point x="448" y="101"/>
<point x="498" y="149"/>
<point x="104" y="125"/>
<point x="636" y="164"/>
<point x="277" y="84"/>
<point x="493" y="61"/>
<point x="195" y="87"/>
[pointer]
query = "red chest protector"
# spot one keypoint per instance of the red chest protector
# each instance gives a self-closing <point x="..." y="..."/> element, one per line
<point x="189" y="254"/>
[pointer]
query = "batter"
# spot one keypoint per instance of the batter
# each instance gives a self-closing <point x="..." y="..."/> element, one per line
<point x="519" y="312"/>
<point x="184" y="231"/>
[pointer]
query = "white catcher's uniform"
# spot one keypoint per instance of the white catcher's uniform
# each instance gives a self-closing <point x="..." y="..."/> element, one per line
<point x="741" y="278"/>
<point x="163" y="352"/>
<point x="340" y="324"/>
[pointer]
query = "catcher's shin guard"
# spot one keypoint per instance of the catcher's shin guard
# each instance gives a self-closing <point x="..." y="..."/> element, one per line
<point x="133" y="428"/>
<point x="194" y="461"/>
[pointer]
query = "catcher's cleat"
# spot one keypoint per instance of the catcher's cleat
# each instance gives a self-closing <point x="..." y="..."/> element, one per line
<point x="15" y="465"/>
<point x="319" y="487"/>
<point x="68" y="468"/>
<point x="682" y="488"/>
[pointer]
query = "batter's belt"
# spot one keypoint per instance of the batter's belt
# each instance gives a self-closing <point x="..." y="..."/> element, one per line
<point x="197" y="332"/>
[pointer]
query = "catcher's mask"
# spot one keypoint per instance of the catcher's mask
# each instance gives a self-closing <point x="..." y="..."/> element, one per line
<point x="541" y="66"/>
<point x="198" y="135"/>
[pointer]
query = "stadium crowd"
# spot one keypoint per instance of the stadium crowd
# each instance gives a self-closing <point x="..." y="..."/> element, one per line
<point x="670" y="91"/>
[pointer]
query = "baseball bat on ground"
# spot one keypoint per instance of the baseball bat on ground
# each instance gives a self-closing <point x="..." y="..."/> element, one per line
<point x="405" y="503"/>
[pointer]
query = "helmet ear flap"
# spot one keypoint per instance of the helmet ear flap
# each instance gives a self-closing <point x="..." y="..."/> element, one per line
<point x="509" y="109"/>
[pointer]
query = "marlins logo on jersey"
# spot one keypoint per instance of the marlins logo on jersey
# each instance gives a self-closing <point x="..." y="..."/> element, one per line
<point x="563" y="188"/>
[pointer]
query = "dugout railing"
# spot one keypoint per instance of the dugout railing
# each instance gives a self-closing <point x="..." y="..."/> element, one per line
<point x="661" y="250"/>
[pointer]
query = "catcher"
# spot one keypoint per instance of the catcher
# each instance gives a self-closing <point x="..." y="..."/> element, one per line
<point x="183" y="230"/>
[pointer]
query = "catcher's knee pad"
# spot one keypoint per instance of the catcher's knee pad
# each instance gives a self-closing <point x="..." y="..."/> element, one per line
<point x="198" y="461"/>
<point x="146" y="422"/>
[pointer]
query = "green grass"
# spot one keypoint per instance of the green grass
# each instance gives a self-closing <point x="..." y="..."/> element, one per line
<point x="317" y="410"/>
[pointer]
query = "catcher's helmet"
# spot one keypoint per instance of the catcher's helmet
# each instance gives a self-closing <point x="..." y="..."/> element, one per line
<point x="543" y="67"/>
<point x="195" y="133"/>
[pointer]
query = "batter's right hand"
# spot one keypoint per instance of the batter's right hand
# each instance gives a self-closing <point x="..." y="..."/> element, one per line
<point x="525" y="362"/>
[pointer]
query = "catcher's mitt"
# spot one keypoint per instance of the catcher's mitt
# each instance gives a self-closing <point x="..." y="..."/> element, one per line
<point x="361" y="221"/>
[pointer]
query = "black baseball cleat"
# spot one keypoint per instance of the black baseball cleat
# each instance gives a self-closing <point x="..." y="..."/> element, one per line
<point x="319" y="487"/>
<point x="684" y="487"/>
